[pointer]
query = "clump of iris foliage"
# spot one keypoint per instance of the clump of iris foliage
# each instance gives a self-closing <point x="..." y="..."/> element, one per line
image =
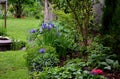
<point x="54" y="40"/>
<point x="50" y="43"/>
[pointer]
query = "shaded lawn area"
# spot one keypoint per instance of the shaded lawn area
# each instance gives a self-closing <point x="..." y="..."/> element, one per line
<point x="13" y="65"/>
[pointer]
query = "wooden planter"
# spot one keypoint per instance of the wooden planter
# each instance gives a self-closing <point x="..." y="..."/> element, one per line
<point x="5" y="44"/>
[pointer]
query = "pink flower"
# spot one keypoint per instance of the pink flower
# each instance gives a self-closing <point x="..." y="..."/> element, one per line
<point x="97" y="72"/>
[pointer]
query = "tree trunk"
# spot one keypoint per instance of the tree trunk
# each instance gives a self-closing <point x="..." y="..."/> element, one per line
<point x="48" y="14"/>
<point x="18" y="11"/>
<point x="46" y="11"/>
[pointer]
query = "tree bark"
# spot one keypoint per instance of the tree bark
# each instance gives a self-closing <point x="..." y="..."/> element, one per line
<point x="46" y="11"/>
<point x="48" y="14"/>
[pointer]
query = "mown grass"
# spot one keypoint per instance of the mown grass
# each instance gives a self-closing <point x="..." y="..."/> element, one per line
<point x="12" y="63"/>
<point x="19" y="28"/>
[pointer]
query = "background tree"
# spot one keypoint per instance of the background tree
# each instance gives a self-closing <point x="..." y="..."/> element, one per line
<point x="111" y="26"/>
<point x="81" y="11"/>
<point x="18" y="6"/>
<point x="48" y="14"/>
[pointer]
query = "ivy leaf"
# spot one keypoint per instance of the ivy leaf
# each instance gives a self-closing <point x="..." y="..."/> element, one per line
<point x="104" y="63"/>
<point x="116" y="64"/>
<point x="109" y="61"/>
<point x="108" y="67"/>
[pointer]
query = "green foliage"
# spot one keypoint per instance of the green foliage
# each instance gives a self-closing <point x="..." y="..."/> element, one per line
<point x="111" y="26"/>
<point x="18" y="6"/>
<point x="65" y="20"/>
<point x="17" y="44"/>
<point x="1" y="16"/>
<point x="47" y="37"/>
<point x="80" y="14"/>
<point x="1" y="12"/>
<point x="72" y="70"/>
<point x="33" y="35"/>
<point x="35" y="10"/>
<point x="32" y="52"/>
<point x="59" y="37"/>
<point x="38" y="60"/>
<point x="98" y="55"/>
<point x="11" y="9"/>
<point x="44" y="60"/>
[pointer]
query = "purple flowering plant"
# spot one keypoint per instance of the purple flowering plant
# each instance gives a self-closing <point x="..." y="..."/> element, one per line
<point x="47" y="26"/>
<point x="44" y="26"/>
<point x="32" y="31"/>
<point x="42" y="50"/>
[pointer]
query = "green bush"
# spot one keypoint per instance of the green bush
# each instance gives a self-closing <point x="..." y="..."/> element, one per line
<point x="37" y="60"/>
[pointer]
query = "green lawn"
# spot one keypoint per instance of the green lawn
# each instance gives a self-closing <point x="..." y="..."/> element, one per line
<point x="19" y="28"/>
<point x="12" y="63"/>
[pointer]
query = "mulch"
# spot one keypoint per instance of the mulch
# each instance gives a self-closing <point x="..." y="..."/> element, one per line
<point x="112" y="75"/>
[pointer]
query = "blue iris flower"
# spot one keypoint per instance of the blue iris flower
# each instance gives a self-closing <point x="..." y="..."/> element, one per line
<point x="44" y="26"/>
<point x="42" y="50"/>
<point x="49" y="27"/>
<point x="51" y="24"/>
<point x="32" y="31"/>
